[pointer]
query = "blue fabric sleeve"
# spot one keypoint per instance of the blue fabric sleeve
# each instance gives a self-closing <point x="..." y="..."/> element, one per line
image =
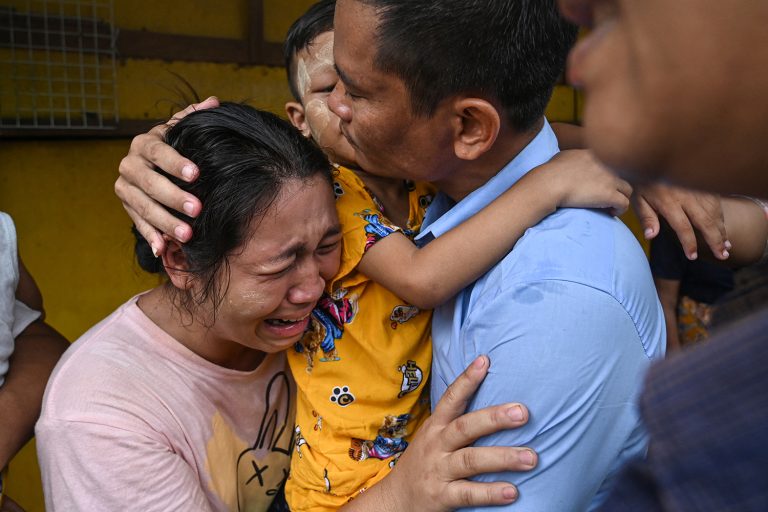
<point x="573" y="356"/>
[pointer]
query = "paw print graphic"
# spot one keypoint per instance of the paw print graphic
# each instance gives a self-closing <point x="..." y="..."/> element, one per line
<point x="342" y="396"/>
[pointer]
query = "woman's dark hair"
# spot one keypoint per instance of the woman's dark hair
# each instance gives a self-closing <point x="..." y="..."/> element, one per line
<point x="245" y="156"/>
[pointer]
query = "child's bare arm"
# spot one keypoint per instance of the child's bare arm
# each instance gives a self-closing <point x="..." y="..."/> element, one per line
<point x="429" y="276"/>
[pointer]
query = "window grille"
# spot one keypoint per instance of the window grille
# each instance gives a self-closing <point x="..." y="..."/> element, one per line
<point x="57" y="65"/>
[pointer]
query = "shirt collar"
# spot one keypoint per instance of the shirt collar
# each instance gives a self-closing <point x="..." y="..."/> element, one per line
<point x="444" y="214"/>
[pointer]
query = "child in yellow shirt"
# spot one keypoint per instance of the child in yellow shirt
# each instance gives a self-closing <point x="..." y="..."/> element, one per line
<point x="362" y="369"/>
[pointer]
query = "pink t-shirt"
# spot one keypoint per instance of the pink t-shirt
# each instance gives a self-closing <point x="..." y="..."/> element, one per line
<point x="133" y="420"/>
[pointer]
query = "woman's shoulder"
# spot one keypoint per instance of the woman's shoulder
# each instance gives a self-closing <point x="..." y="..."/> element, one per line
<point x="107" y="363"/>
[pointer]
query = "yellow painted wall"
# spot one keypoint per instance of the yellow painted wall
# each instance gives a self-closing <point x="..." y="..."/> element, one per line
<point x="74" y="235"/>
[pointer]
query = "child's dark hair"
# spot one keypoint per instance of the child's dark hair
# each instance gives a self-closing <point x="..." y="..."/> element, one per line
<point x="245" y="156"/>
<point x="317" y="20"/>
<point x="509" y="51"/>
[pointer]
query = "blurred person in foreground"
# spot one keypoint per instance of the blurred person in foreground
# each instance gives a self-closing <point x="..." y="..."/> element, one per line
<point x="673" y="66"/>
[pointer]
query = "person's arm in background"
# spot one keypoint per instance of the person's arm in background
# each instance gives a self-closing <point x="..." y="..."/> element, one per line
<point x="669" y="291"/>
<point x="37" y="350"/>
<point x="696" y="217"/>
<point x="433" y="473"/>
<point x="744" y="221"/>
<point x="747" y="224"/>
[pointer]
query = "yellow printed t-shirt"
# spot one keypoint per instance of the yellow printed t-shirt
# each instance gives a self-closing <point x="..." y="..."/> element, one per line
<point x="362" y="370"/>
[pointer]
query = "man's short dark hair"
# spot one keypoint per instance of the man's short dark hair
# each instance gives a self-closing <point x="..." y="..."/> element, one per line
<point x="511" y="51"/>
<point x="317" y="20"/>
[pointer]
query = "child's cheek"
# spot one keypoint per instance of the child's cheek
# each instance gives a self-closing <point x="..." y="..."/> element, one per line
<point x="318" y="111"/>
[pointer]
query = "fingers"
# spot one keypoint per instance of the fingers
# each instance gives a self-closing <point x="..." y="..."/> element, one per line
<point x="466" y="493"/>
<point x="624" y="187"/>
<point x="685" y="210"/>
<point x="149" y="150"/>
<point x="619" y="192"/>
<point x="619" y="203"/>
<point x="137" y="194"/>
<point x="706" y="215"/>
<point x="626" y="190"/>
<point x="647" y="216"/>
<point x="144" y="210"/>
<point x="467" y="428"/>
<point x="454" y="401"/>
<point x="472" y="461"/>
<point x="210" y="102"/>
<point x="150" y="234"/>
<point x="462" y="429"/>
<point x="681" y="225"/>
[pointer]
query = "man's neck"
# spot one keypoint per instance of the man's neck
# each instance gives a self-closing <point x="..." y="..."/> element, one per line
<point x="471" y="175"/>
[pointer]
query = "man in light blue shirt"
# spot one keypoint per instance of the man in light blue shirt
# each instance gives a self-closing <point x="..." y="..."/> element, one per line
<point x="454" y="92"/>
<point x="570" y="320"/>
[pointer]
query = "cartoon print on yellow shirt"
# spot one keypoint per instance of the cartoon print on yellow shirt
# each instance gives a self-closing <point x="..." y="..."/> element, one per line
<point x="376" y="227"/>
<point x="412" y="377"/>
<point x="300" y="441"/>
<point x="389" y="443"/>
<point x="402" y="313"/>
<point x="319" y="423"/>
<point x="326" y="326"/>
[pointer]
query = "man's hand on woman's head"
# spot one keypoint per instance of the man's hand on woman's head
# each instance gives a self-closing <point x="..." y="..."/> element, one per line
<point x="143" y="191"/>
<point x="432" y="474"/>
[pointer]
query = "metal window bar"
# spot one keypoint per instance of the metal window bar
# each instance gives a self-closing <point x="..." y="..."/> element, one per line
<point x="58" y="65"/>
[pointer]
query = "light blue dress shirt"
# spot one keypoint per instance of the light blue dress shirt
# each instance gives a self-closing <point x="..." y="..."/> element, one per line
<point x="571" y="321"/>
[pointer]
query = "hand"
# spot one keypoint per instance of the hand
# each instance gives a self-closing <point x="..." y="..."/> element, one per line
<point x="432" y="473"/>
<point x="581" y="181"/>
<point x="141" y="189"/>
<point x="685" y="211"/>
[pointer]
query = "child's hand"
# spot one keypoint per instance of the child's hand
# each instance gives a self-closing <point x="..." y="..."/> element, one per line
<point x="580" y="181"/>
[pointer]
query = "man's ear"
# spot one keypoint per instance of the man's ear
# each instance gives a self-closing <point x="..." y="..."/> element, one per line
<point x="176" y="264"/>
<point x="295" y="111"/>
<point x="476" y="125"/>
